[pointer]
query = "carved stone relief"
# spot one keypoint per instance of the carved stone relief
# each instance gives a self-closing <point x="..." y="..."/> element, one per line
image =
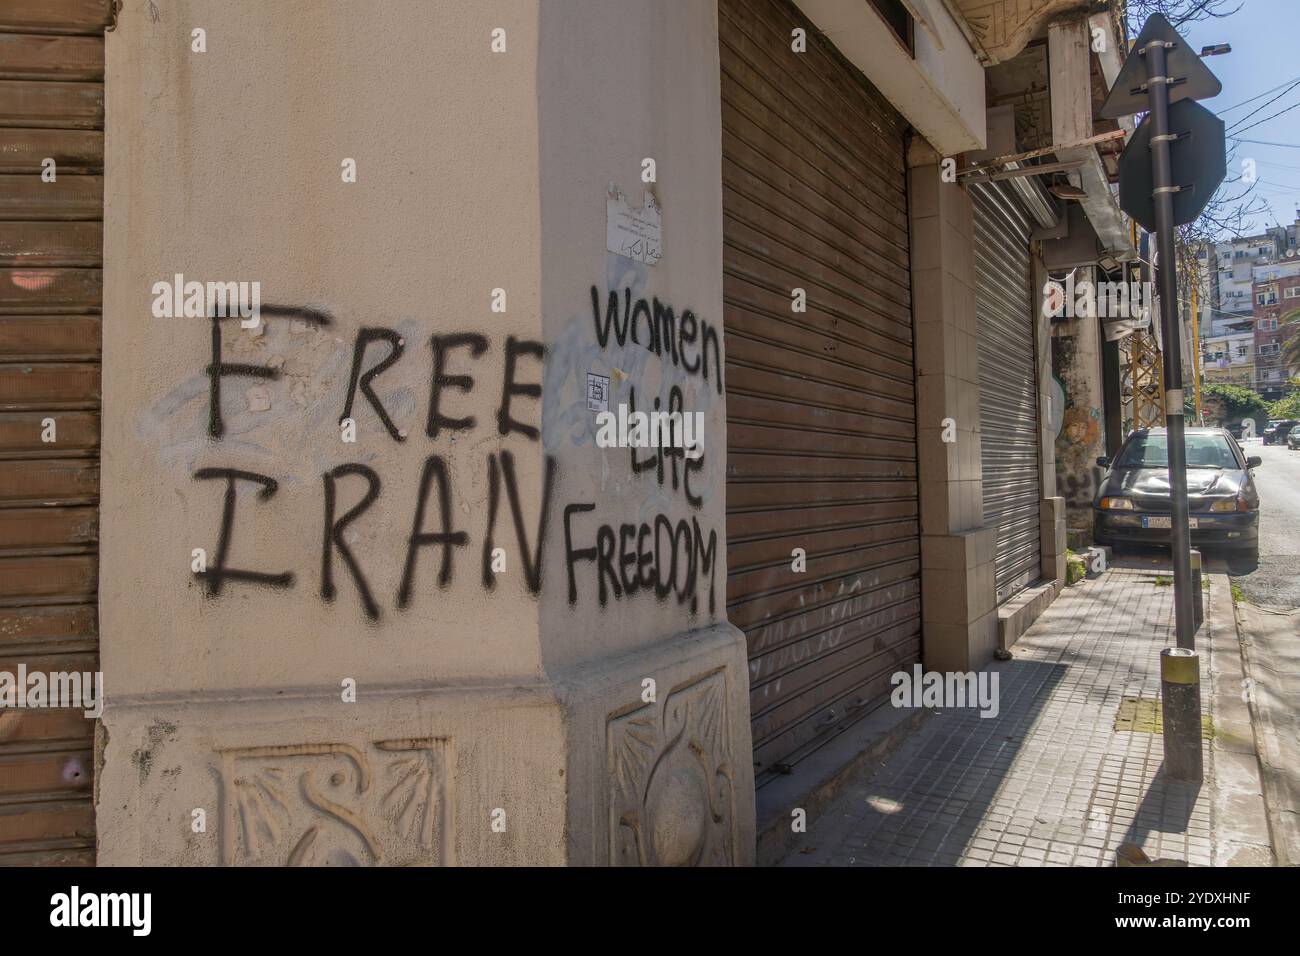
<point x="334" y="804"/>
<point x="673" y="799"/>
<point x="1003" y="27"/>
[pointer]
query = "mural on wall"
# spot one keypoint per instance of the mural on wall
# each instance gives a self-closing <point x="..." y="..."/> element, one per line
<point x="629" y="334"/>
<point x="1081" y="437"/>
<point x="1076" y="451"/>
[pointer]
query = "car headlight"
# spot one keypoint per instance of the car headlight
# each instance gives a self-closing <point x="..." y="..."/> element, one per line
<point x="1231" y="504"/>
<point x="1117" y="504"/>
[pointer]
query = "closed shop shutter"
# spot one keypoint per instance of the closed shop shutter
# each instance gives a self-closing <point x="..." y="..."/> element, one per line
<point x="1004" y="308"/>
<point x="821" y="416"/>
<point x="51" y="108"/>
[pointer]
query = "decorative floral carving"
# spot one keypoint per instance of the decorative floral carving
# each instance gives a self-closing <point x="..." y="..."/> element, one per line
<point x="673" y="801"/>
<point x="1004" y="27"/>
<point x="318" y="804"/>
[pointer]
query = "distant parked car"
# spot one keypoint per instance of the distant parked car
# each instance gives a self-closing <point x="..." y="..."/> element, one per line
<point x="1277" y="431"/>
<point x="1132" y="505"/>
<point x="1235" y="430"/>
<point x="1293" y="439"/>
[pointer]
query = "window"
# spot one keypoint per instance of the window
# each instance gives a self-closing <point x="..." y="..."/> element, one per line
<point x="1152" y="451"/>
<point x="1292" y="293"/>
<point x="898" y="20"/>
<point x="1241" y="351"/>
<point x="1267" y="325"/>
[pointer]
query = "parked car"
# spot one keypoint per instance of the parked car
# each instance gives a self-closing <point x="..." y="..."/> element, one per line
<point x="1235" y="430"/>
<point x="1277" y="431"/>
<point x="1132" y="505"/>
<point x="1293" y="439"/>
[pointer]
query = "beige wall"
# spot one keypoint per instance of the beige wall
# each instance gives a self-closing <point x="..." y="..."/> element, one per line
<point x="476" y="170"/>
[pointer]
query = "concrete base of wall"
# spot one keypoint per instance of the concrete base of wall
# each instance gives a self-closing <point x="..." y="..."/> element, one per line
<point x="850" y="758"/>
<point x="592" y="768"/>
<point x="1016" y="614"/>
<point x="958" y="597"/>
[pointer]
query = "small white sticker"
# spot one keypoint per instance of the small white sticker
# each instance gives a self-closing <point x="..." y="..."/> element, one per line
<point x="597" y="392"/>
<point x="635" y="233"/>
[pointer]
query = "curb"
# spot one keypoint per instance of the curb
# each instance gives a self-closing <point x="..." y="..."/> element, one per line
<point x="1242" y="828"/>
<point x="1276" y="800"/>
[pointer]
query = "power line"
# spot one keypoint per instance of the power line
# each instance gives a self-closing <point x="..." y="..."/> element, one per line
<point x="1257" y="110"/>
<point x="1273" y="117"/>
<point x="1264" y="142"/>
<point x="1258" y="96"/>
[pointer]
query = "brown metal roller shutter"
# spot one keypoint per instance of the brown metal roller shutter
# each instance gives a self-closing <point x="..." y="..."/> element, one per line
<point x="821" y="417"/>
<point x="51" y="106"/>
<point x="1008" y="385"/>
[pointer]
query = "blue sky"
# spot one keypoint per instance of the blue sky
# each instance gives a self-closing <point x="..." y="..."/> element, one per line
<point x="1265" y="38"/>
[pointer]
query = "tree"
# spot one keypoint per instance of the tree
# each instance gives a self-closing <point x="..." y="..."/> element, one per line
<point x="1179" y="13"/>
<point x="1288" y="407"/>
<point x="1225" y="404"/>
<point x="1291" y="350"/>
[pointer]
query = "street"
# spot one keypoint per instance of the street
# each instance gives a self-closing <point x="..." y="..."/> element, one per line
<point x="1269" y="619"/>
<point x="1274" y="583"/>
<point x="1268" y="616"/>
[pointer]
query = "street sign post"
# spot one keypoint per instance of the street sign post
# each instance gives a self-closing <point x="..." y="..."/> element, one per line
<point x="1198" y="163"/>
<point x="1169" y="170"/>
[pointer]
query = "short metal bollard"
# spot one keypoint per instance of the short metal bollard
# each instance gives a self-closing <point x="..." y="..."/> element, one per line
<point x="1198" y="594"/>
<point x="1180" y="703"/>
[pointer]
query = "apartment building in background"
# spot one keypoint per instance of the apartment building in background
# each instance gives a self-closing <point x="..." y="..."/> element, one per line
<point x="1251" y="293"/>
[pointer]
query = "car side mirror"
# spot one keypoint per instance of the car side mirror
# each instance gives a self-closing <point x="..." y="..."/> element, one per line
<point x="1254" y="461"/>
<point x="1103" y="461"/>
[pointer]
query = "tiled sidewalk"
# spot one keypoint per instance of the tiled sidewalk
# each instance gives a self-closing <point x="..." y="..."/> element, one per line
<point x="1049" y="781"/>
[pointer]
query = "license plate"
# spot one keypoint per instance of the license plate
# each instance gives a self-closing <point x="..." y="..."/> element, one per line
<point x="1159" y="521"/>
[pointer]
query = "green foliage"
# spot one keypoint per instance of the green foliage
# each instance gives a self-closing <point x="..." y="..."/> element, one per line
<point x="1238" y="401"/>
<point x="1075" y="568"/>
<point x="1288" y="407"/>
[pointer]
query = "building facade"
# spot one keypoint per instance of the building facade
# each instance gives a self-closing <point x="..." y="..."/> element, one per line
<point x="367" y="580"/>
<point x="1249" y="281"/>
<point x="1277" y="321"/>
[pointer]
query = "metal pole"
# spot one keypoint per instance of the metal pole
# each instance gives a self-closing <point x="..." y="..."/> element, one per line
<point x="1158" y="98"/>
<point x="1196" y="352"/>
<point x="1180" y="695"/>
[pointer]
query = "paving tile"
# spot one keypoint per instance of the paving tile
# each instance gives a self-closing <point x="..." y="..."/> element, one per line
<point x="1049" y="781"/>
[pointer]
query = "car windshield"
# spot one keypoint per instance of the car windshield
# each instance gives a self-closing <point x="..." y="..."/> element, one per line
<point x="1152" y="451"/>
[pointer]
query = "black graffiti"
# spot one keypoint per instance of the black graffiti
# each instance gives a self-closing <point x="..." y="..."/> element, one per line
<point x="333" y="537"/>
<point x="441" y="345"/>
<point x="218" y="369"/>
<point x="666" y="335"/>
<point x="509" y="388"/>
<point x="435" y="468"/>
<point x="532" y="561"/>
<point x="674" y="456"/>
<point x="216" y="574"/>
<point x="395" y="348"/>
<point x="625" y="564"/>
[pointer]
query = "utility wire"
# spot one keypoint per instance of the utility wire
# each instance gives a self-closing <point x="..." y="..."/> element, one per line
<point x="1296" y="106"/>
<point x="1259" y="109"/>
<point x="1258" y="96"/>
<point x="1264" y="142"/>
